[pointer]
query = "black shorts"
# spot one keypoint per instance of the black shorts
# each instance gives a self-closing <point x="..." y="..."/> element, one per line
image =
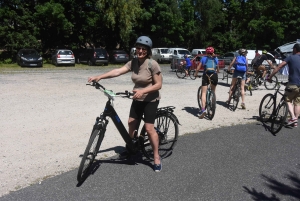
<point x="214" y="79"/>
<point x="140" y="108"/>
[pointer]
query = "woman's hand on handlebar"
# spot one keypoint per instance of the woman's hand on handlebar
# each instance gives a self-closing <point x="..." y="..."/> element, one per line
<point x="93" y="79"/>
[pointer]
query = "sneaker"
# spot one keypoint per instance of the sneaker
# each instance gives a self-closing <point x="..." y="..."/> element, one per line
<point x="243" y="106"/>
<point x="292" y="122"/>
<point x="202" y="114"/>
<point x="158" y="167"/>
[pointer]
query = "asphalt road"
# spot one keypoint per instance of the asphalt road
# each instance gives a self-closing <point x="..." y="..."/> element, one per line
<point x="244" y="162"/>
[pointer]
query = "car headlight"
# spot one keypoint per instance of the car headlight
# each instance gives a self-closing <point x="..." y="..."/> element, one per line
<point x="23" y="58"/>
<point x="40" y="58"/>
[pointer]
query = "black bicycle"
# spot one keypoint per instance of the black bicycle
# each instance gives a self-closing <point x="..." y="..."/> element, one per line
<point x="235" y="92"/>
<point x="268" y="111"/>
<point x="210" y="99"/>
<point x="256" y="81"/>
<point x="166" y="126"/>
<point x="181" y="72"/>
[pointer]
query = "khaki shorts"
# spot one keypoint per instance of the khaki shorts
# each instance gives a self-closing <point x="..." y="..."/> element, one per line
<point x="292" y="94"/>
<point x="260" y="69"/>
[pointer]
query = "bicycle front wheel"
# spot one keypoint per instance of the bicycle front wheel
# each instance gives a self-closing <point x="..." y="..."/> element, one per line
<point x="271" y="85"/>
<point x="280" y="117"/>
<point x="180" y="73"/>
<point x="211" y="105"/>
<point x="266" y="107"/>
<point x="235" y="97"/>
<point x="166" y="127"/>
<point x="192" y="74"/>
<point x="90" y="154"/>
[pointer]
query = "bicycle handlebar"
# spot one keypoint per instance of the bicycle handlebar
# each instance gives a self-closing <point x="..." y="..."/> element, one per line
<point x="109" y="93"/>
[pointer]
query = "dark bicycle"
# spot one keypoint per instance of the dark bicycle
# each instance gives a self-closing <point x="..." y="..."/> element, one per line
<point x="236" y="92"/>
<point x="270" y="111"/>
<point x="166" y="126"/>
<point x="181" y="72"/>
<point x="256" y="81"/>
<point x="210" y="100"/>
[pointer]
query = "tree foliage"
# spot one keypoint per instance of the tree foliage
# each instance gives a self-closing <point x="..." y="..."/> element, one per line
<point x="225" y="24"/>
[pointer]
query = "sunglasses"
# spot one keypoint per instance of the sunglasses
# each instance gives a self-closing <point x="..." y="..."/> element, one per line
<point x="141" y="48"/>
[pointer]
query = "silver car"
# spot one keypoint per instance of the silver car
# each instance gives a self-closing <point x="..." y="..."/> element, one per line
<point x="63" y="57"/>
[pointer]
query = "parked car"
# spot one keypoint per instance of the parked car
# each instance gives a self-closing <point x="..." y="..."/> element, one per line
<point x="228" y="57"/>
<point x="177" y="54"/>
<point x="161" y="55"/>
<point x="196" y="60"/>
<point x="132" y="53"/>
<point x="118" y="56"/>
<point x="92" y="56"/>
<point x="29" y="57"/>
<point x="63" y="57"/>
<point x="195" y="52"/>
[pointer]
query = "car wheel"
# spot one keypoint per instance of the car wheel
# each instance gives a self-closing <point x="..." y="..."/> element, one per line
<point x="56" y="64"/>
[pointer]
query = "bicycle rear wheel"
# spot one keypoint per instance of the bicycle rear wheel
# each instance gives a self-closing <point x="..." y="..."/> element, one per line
<point x="211" y="105"/>
<point x="280" y="117"/>
<point x="192" y="74"/>
<point x="166" y="127"/>
<point x="199" y="96"/>
<point x="271" y="85"/>
<point x="90" y="154"/>
<point x="266" y="107"/>
<point x="235" y="97"/>
<point x="180" y="73"/>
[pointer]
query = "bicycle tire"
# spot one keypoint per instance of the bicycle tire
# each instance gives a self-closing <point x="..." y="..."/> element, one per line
<point x="211" y="105"/>
<point x="266" y="107"/>
<point x="89" y="154"/>
<point x="271" y="85"/>
<point x="166" y="126"/>
<point x="180" y="73"/>
<point x="199" y="95"/>
<point x="235" y="97"/>
<point x="280" y="117"/>
<point x="192" y="74"/>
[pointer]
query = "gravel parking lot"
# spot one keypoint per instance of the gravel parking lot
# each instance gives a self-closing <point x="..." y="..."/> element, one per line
<point x="47" y="116"/>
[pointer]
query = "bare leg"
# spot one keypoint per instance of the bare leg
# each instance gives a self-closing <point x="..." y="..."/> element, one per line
<point x="231" y="86"/>
<point x="297" y="111"/>
<point x="153" y="137"/>
<point x="132" y="124"/>
<point x="203" y="98"/>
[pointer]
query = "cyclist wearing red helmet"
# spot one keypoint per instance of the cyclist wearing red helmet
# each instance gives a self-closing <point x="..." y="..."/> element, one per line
<point x="211" y="70"/>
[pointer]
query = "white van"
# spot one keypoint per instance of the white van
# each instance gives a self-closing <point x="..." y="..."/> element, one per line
<point x="161" y="55"/>
<point x="177" y="54"/>
<point x="251" y="55"/>
<point x="195" y="52"/>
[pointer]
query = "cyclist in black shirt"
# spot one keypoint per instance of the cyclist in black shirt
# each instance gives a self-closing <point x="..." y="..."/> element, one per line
<point x="258" y="66"/>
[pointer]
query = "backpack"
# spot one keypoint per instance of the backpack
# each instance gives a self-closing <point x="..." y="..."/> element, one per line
<point x="210" y="64"/>
<point x="240" y="64"/>
<point x="255" y="60"/>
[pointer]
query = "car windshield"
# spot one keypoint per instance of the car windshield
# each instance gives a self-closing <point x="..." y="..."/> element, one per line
<point x="164" y="51"/>
<point x="183" y="52"/>
<point x="100" y="51"/>
<point x="30" y="52"/>
<point x="65" y="52"/>
<point x="120" y="52"/>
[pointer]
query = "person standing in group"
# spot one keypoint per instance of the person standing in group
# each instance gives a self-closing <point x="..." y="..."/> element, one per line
<point x="258" y="66"/>
<point x="187" y="63"/>
<point x="240" y="64"/>
<point x="292" y="90"/>
<point x="147" y="78"/>
<point x="211" y="70"/>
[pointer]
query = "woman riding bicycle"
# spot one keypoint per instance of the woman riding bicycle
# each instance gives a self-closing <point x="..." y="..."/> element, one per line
<point x="147" y="77"/>
<point x="241" y="72"/>
<point x="211" y="70"/>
